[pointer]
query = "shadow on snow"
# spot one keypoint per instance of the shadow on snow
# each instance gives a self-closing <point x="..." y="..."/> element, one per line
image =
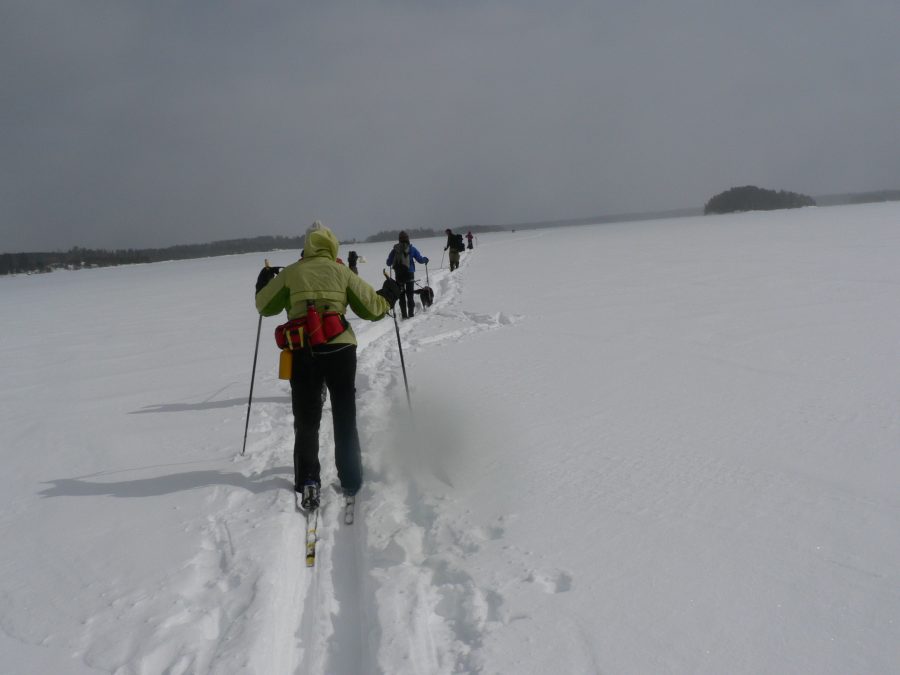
<point x="163" y="485"/>
<point x="207" y="405"/>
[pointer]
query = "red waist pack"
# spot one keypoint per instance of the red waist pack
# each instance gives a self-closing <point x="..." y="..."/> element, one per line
<point x="310" y="329"/>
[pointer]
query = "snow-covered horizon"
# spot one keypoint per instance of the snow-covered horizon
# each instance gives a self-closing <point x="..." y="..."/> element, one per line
<point x="658" y="447"/>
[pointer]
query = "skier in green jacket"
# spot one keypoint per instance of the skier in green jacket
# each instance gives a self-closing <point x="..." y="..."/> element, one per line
<point x="318" y="281"/>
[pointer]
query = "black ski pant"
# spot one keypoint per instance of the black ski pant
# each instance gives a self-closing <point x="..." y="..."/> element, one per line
<point x="335" y="366"/>
<point x="407" y="299"/>
<point x="407" y="295"/>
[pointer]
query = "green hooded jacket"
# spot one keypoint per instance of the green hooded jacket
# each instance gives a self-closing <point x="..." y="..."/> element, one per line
<point x="317" y="277"/>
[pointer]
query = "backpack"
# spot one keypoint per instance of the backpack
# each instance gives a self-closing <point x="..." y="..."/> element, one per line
<point x="458" y="242"/>
<point x="401" y="260"/>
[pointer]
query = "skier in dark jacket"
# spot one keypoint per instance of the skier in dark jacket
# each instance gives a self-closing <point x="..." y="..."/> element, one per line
<point x="318" y="281"/>
<point x="402" y="259"/>
<point x="352" y="259"/>
<point x="453" y="245"/>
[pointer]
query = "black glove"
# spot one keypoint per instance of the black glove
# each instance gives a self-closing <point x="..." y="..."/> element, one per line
<point x="265" y="276"/>
<point x="425" y="261"/>
<point x="390" y="291"/>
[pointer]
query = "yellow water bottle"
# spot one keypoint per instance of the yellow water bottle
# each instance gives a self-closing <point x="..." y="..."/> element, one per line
<point x="285" y="363"/>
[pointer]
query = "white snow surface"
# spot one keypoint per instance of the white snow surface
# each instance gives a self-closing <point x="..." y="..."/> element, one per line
<point x="659" y="447"/>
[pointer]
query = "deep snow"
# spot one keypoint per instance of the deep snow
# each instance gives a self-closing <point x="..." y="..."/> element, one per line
<point x="668" y="446"/>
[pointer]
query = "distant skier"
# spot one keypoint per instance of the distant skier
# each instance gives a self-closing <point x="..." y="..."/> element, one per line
<point x="469" y="237"/>
<point x="402" y="259"/>
<point x="455" y="246"/>
<point x="318" y="290"/>
<point x="352" y="259"/>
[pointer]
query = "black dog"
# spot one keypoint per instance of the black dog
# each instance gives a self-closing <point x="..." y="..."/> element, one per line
<point x="426" y="295"/>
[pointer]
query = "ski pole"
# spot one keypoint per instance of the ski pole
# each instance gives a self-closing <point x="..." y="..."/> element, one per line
<point x="252" y="378"/>
<point x="427" y="282"/>
<point x="400" y="347"/>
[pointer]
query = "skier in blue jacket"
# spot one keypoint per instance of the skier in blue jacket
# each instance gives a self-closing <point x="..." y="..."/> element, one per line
<point x="402" y="259"/>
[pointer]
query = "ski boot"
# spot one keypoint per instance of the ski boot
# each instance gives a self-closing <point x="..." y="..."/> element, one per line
<point x="309" y="498"/>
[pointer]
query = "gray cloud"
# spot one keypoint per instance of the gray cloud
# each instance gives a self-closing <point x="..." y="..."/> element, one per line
<point x="159" y="122"/>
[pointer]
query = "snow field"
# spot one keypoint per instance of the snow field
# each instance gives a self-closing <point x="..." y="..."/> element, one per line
<point x="646" y="447"/>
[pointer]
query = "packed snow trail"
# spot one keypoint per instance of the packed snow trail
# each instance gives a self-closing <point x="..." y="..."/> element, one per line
<point x="346" y="608"/>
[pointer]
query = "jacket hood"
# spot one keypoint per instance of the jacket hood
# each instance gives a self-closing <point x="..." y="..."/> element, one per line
<point x="321" y="243"/>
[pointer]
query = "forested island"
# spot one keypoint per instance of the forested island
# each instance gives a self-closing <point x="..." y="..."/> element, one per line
<point x="752" y="198"/>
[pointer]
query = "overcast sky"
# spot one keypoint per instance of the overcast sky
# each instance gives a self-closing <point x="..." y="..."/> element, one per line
<point x="159" y="122"/>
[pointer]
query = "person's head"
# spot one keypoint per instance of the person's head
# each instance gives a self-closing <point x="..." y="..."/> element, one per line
<point x="403" y="237"/>
<point x="447" y="231"/>
<point x="320" y="242"/>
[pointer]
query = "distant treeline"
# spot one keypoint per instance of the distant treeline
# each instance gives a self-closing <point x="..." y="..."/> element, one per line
<point x="77" y="257"/>
<point x="859" y="198"/>
<point x="752" y="198"/>
<point x="746" y="198"/>
<point x="425" y="233"/>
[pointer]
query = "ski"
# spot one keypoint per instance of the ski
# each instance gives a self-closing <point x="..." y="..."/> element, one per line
<point x="349" y="506"/>
<point x="312" y="522"/>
